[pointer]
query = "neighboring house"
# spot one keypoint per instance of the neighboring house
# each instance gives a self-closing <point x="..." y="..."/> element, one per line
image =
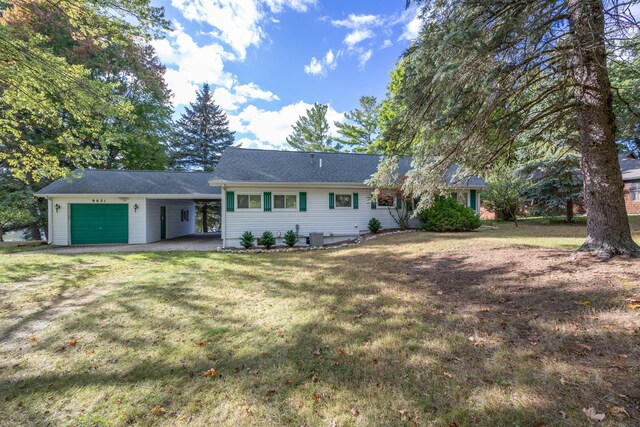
<point x="113" y="206"/>
<point x="630" y="167"/>
<point x="260" y="190"/>
<point x="266" y="190"/>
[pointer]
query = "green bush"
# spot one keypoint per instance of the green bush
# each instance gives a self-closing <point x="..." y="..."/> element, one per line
<point x="374" y="225"/>
<point x="267" y="240"/>
<point x="247" y="239"/>
<point x="446" y="214"/>
<point x="290" y="238"/>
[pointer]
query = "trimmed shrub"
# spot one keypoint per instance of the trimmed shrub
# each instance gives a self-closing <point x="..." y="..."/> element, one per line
<point x="290" y="238"/>
<point x="247" y="240"/>
<point x="267" y="240"/>
<point x="374" y="225"/>
<point x="446" y="214"/>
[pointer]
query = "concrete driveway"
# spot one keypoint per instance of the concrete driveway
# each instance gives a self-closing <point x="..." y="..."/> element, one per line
<point x="194" y="242"/>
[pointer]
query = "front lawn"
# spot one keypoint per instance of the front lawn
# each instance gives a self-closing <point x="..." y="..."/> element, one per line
<point x="499" y="327"/>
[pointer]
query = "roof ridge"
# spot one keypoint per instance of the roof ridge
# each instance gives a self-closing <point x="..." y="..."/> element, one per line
<point x="141" y="170"/>
<point x="307" y="152"/>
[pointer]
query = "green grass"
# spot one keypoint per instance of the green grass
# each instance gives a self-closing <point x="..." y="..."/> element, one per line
<point x="419" y="328"/>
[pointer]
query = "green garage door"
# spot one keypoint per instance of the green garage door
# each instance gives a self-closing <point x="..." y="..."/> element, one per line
<point x="99" y="223"/>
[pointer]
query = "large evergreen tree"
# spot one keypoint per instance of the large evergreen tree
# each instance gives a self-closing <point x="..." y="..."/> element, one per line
<point x="202" y="134"/>
<point x="311" y="131"/>
<point x="361" y="128"/>
<point x="486" y="76"/>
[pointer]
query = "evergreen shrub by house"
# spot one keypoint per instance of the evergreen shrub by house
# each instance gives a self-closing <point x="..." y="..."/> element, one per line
<point x="446" y="214"/>
<point x="267" y="240"/>
<point x="374" y="225"/>
<point x="247" y="239"/>
<point x="290" y="238"/>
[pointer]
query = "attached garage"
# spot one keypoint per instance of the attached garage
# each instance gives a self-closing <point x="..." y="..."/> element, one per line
<point x="96" y="224"/>
<point x="99" y="207"/>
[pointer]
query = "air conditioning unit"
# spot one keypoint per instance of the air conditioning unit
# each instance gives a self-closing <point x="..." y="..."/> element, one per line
<point x="316" y="239"/>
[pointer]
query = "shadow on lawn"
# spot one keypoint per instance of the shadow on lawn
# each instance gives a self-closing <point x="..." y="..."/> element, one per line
<point x="403" y="320"/>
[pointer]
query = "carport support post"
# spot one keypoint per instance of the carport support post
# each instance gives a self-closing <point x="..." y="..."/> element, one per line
<point x="205" y="227"/>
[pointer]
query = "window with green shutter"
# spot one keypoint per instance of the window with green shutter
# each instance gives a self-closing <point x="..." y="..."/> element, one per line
<point x="267" y="201"/>
<point x="398" y="202"/>
<point x="372" y="200"/>
<point x="303" y="201"/>
<point x="332" y="201"/>
<point x="230" y="200"/>
<point x="355" y="200"/>
<point x="473" y="200"/>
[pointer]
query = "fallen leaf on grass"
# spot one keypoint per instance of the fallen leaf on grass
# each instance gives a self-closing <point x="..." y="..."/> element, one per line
<point x="201" y="343"/>
<point x="562" y="414"/>
<point x="33" y="338"/>
<point x="211" y="373"/>
<point x="263" y="354"/>
<point x="316" y="397"/>
<point x="271" y="390"/>
<point x="592" y="414"/>
<point x="619" y="412"/>
<point x="355" y="411"/>
<point x="317" y="352"/>
<point x="340" y="351"/>
<point x="336" y="362"/>
<point x="586" y="303"/>
<point x="585" y="346"/>
<point x="541" y="424"/>
<point x="248" y="411"/>
<point x="634" y="305"/>
<point x="447" y="374"/>
<point x="73" y="342"/>
<point x="288" y="382"/>
<point x="158" y="410"/>
<point x="314" y="378"/>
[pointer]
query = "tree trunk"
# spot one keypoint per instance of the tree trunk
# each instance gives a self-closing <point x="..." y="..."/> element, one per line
<point x="608" y="230"/>
<point x="1" y="233"/>
<point x="205" y="226"/>
<point x="570" y="210"/>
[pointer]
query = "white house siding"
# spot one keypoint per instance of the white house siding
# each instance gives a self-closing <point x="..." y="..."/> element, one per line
<point x="336" y="224"/>
<point x="175" y="227"/>
<point x="59" y="221"/>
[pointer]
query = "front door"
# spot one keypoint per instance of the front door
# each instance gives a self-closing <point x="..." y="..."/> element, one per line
<point x="163" y="222"/>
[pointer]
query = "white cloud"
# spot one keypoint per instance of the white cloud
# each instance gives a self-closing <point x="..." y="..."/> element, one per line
<point x="412" y="24"/>
<point x="314" y="67"/>
<point x="387" y="43"/>
<point x="321" y="66"/>
<point x="190" y="64"/>
<point x="364" y="58"/>
<point x="356" y="36"/>
<point x="271" y="128"/>
<point x="238" y="23"/>
<point x="358" y="21"/>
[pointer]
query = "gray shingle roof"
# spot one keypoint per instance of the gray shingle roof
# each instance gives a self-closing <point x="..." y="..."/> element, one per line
<point x="629" y="166"/>
<point x="133" y="182"/>
<point x="251" y="165"/>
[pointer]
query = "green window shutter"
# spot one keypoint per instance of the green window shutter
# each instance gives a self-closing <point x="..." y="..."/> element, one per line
<point x="231" y="197"/>
<point x="332" y="201"/>
<point x="303" y="201"/>
<point x="355" y="200"/>
<point x="473" y="200"/>
<point x="398" y="202"/>
<point x="373" y="202"/>
<point x="267" y="201"/>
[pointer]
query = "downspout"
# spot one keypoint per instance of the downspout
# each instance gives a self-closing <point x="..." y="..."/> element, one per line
<point x="223" y="208"/>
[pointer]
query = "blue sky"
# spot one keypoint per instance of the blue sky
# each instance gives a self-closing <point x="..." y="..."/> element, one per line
<point x="269" y="60"/>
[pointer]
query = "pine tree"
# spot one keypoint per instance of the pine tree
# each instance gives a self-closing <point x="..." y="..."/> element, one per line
<point x="361" y="129"/>
<point x="202" y="134"/>
<point x="311" y="131"/>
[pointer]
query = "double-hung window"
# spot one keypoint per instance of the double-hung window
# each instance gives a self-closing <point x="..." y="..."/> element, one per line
<point x="249" y="201"/>
<point x="344" y="200"/>
<point x="635" y="191"/>
<point x="285" y="201"/>
<point x="386" y="200"/>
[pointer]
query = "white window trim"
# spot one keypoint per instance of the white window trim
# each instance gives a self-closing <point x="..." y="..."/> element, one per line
<point x="335" y="201"/>
<point x="273" y="202"/>
<point x="635" y="191"/>
<point x="249" y="209"/>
